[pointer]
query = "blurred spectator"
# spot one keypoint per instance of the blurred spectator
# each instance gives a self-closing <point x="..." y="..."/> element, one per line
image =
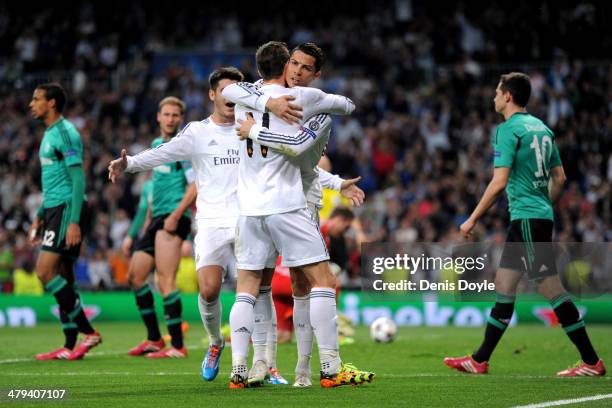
<point x="26" y="282"/>
<point x="7" y="261"/>
<point x="119" y="264"/>
<point x="119" y="228"/>
<point x="186" y="277"/>
<point x="99" y="271"/>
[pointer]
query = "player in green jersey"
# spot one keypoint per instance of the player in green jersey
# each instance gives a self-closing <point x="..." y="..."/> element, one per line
<point x="172" y="192"/>
<point x="59" y="224"/>
<point x="527" y="166"/>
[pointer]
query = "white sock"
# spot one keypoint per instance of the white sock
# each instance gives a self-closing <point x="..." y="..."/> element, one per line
<point x="324" y="321"/>
<point x="210" y="312"/>
<point x="241" y="324"/>
<point x="263" y="312"/>
<point x="303" y="332"/>
<point x="271" y="340"/>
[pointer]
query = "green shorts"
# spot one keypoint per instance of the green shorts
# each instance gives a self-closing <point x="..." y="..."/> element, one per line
<point x="55" y="225"/>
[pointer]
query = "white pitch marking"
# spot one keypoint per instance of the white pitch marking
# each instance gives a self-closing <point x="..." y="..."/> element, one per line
<point x="567" y="401"/>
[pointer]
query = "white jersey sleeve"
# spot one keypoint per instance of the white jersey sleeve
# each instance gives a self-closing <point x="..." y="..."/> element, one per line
<point x="295" y="144"/>
<point x="190" y="175"/>
<point x="246" y="94"/>
<point x="328" y="180"/>
<point x="320" y="102"/>
<point x="178" y="148"/>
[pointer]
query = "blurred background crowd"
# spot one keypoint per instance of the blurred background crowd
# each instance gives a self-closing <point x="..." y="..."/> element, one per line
<point x="423" y="76"/>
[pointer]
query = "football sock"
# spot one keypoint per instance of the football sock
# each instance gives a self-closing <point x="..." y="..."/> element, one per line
<point x="324" y="321"/>
<point x="70" y="330"/>
<point x="241" y="324"/>
<point x="572" y="323"/>
<point x="146" y="307"/>
<point x="173" y="309"/>
<point x="271" y="340"/>
<point x="262" y="313"/>
<point x="70" y="303"/>
<point x="303" y="332"/>
<point x="211" y="318"/>
<point x="497" y="322"/>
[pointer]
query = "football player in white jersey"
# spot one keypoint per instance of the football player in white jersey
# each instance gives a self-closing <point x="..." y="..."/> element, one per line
<point x="212" y="147"/>
<point x="274" y="219"/>
<point x="306" y="148"/>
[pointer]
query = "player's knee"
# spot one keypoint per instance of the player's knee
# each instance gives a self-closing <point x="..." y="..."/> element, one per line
<point x="134" y="279"/>
<point x="133" y="282"/>
<point x="329" y="281"/>
<point x="209" y="294"/>
<point x="44" y="271"/>
<point x="324" y="277"/>
<point x="166" y="286"/>
<point x="504" y="287"/>
<point x="549" y="288"/>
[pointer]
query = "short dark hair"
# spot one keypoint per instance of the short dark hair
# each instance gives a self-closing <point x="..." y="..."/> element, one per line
<point x="343" y="212"/>
<point x="271" y="59"/>
<point x="519" y="86"/>
<point x="224" y="73"/>
<point x="314" y="51"/>
<point x="55" y="91"/>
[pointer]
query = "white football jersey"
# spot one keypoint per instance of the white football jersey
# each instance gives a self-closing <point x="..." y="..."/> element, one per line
<point x="268" y="181"/>
<point x="214" y="153"/>
<point x="305" y="149"/>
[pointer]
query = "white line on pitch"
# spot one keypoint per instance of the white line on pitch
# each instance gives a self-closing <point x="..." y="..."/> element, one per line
<point x="567" y="401"/>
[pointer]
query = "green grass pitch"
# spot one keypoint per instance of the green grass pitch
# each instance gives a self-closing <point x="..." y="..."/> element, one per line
<point x="409" y="371"/>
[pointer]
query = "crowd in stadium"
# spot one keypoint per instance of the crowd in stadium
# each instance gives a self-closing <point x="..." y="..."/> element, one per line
<point x="423" y="81"/>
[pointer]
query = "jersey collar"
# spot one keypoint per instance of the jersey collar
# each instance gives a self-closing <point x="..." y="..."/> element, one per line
<point x="518" y="113"/>
<point x="55" y="123"/>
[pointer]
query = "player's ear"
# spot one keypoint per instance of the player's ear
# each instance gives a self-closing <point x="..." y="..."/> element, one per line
<point x="211" y="94"/>
<point x="317" y="74"/>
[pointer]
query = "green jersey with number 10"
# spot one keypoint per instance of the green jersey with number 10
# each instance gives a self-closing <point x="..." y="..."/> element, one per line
<point x="527" y="146"/>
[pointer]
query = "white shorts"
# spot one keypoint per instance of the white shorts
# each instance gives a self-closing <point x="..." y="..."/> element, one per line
<point x="214" y="246"/>
<point x="294" y="235"/>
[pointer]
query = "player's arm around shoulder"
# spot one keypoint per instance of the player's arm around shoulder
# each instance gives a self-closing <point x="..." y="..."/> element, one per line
<point x="246" y="94"/>
<point x="321" y="102"/>
<point x="288" y="144"/>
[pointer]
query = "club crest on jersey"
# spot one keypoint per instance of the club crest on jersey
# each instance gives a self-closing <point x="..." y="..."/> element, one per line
<point x="314" y="126"/>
